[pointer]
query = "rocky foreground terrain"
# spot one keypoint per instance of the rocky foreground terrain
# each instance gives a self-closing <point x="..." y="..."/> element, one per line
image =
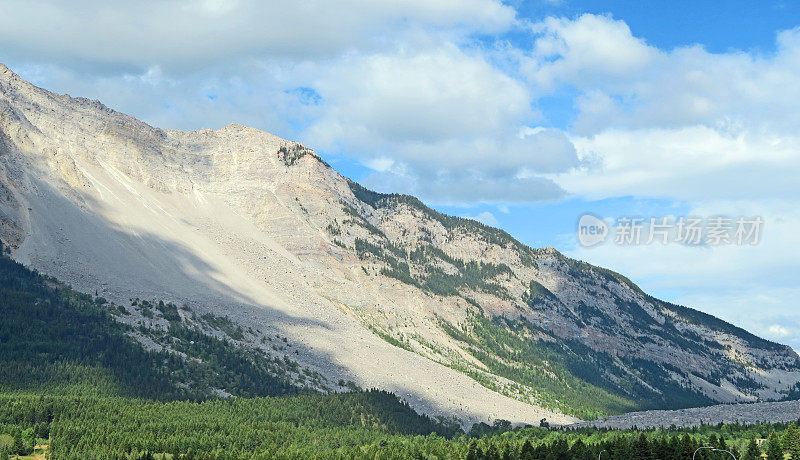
<point x="456" y="317"/>
<point x="746" y="414"/>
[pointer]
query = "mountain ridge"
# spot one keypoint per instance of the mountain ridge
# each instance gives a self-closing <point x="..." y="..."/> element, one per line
<point x="239" y="221"/>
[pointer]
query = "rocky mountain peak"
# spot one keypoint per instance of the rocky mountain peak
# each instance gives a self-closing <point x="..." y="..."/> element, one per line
<point x="457" y="317"/>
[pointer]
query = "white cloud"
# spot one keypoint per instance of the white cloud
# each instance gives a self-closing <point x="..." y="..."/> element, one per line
<point x="485" y="217"/>
<point x="552" y="151"/>
<point x="688" y="163"/>
<point x="426" y="96"/>
<point x="690" y="86"/>
<point x="196" y="33"/>
<point x="254" y="95"/>
<point x="380" y="164"/>
<point x="585" y="51"/>
<point x="447" y="119"/>
<point x="750" y="286"/>
<point x="683" y="123"/>
<point x="624" y="83"/>
<point x="677" y="124"/>
<point x="778" y="331"/>
<point x="464" y="189"/>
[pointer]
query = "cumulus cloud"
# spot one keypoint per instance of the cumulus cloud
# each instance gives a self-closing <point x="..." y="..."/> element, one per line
<point x="689" y="163"/>
<point x="778" y="331"/>
<point x="586" y="51"/>
<point x="254" y="95"/>
<point x="426" y="96"/>
<point x="684" y="123"/>
<point x="625" y="83"/>
<point x="689" y="86"/>
<point x="464" y="188"/>
<point x="448" y="123"/>
<point x="196" y="33"/>
<point x="485" y="217"/>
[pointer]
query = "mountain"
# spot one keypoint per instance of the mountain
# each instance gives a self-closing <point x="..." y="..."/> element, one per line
<point x="280" y="253"/>
<point x="59" y="341"/>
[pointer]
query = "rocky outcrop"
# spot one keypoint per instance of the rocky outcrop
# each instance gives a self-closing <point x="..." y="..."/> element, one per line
<point x="745" y="414"/>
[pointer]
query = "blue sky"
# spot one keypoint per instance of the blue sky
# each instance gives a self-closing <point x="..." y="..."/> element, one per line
<point x="738" y="24"/>
<point x="523" y="114"/>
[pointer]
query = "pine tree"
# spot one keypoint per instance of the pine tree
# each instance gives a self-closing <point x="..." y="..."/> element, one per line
<point x="16" y="434"/>
<point x="713" y="441"/>
<point x="578" y="449"/>
<point x="559" y="450"/>
<point x="491" y="453"/>
<point x="474" y="452"/>
<point x="752" y="452"/>
<point x="642" y="447"/>
<point x="791" y="441"/>
<point x="672" y="448"/>
<point x="23" y="441"/>
<point x="774" y="449"/>
<point x="526" y="453"/>
<point x="722" y="443"/>
<point x="688" y="446"/>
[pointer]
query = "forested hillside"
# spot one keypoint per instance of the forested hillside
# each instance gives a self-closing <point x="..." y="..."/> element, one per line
<point x="346" y="426"/>
<point x="74" y="383"/>
<point x="56" y="339"/>
<point x="69" y="370"/>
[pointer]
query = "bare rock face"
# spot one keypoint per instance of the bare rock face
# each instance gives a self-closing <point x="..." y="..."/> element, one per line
<point x="456" y="317"/>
